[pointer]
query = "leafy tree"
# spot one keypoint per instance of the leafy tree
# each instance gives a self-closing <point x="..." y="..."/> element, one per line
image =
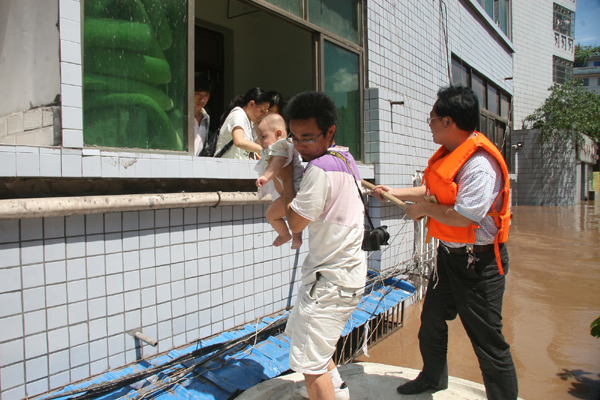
<point x="583" y="52"/>
<point x="567" y="113"/>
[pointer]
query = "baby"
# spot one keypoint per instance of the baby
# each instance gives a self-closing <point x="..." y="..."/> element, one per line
<point x="277" y="152"/>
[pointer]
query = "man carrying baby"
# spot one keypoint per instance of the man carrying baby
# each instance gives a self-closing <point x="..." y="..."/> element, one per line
<point x="328" y="202"/>
<point x="277" y="152"/>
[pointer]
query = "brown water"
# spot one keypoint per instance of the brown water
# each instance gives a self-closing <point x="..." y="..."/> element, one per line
<point x="552" y="296"/>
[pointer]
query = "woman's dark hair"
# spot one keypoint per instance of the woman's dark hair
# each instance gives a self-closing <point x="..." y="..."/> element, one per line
<point x="276" y="100"/>
<point x="459" y="103"/>
<point x="257" y="94"/>
<point x="310" y="104"/>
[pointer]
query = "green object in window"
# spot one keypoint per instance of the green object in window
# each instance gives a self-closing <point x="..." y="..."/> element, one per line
<point x="134" y="84"/>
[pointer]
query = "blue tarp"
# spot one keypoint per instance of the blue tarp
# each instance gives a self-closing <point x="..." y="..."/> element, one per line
<point x="232" y="372"/>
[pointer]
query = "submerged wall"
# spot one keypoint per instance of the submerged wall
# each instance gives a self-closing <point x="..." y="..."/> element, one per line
<point x="546" y="172"/>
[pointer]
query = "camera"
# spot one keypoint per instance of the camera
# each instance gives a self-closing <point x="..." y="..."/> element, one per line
<point x="374" y="238"/>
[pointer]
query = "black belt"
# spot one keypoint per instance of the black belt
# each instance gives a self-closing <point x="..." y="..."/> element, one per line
<point x="476" y="249"/>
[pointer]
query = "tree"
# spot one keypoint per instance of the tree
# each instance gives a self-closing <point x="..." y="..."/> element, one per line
<point x="567" y="113"/>
<point x="583" y="52"/>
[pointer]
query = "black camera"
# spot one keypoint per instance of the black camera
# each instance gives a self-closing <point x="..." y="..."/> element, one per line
<point x="374" y="238"/>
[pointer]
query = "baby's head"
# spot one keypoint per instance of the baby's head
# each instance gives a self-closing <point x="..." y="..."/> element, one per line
<point x="270" y="129"/>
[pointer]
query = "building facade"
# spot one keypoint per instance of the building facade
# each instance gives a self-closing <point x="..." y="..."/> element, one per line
<point x="99" y="105"/>
<point x="589" y="73"/>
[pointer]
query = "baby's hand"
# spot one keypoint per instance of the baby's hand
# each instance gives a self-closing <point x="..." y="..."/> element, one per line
<point x="261" y="181"/>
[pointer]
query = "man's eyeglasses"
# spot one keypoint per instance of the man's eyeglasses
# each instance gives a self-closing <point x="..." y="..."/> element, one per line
<point x="304" y="142"/>
<point x="429" y="119"/>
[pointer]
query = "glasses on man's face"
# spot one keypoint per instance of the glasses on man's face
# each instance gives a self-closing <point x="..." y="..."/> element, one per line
<point x="305" y="141"/>
<point x="429" y="119"/>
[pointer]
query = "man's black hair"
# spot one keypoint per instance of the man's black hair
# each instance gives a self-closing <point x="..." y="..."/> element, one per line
<point x="459" y="103"/>
<point x="202" y="85"/>
<point x="310" y="104"/>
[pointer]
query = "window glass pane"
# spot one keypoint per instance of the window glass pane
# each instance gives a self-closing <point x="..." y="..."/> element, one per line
<point x="291" y="6"/>
<point x="478" y="86"/>
<point x="341" y="17"/>
<point x="586" y="81"/>
<point x="135" y="74"/>
<point x="492" y="103"/>
<point x="459" y="73"/>
<point x="562" y="70"/>
<point x="563" y="20"/>
<point x="504" y="106"/>
<point x="342" y="84"/>
<point x="482" y="124"/>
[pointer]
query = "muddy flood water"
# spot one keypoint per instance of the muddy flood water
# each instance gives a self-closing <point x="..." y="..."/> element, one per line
<point x="552" y="296"/>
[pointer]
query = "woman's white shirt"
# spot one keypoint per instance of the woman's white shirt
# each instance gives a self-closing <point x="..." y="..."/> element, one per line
<point x="237" y="118"/>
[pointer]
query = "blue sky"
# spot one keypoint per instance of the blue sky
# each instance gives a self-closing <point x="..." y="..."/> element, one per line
<point x="587" y="22"/>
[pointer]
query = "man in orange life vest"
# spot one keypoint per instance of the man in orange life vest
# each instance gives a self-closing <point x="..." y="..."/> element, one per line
<point x="470" y="215"/>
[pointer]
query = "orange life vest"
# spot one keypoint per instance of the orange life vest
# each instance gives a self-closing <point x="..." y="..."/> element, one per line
<point x="439" y="180"/>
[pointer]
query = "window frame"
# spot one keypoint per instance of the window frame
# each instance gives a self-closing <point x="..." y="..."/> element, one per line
<point x="567" y="64"/>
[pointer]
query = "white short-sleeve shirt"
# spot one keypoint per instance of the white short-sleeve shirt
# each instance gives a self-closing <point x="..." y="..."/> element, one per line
<point x="329" y="198"/>
<point x="236" y="118"/>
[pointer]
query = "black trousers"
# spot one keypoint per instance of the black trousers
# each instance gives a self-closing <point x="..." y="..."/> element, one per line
<point x="474" y="293"/>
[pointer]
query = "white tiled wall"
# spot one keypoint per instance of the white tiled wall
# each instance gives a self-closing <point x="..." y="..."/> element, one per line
<point x="407" y="62"/>
<point x="533" y="37"/>
<point x="71" y="287"/>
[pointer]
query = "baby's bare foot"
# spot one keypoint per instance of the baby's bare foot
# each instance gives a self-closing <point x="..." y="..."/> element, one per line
<point x="281" y="240"/>
<point x="296" y="242"/>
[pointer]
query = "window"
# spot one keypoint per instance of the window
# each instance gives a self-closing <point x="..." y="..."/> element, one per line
<point x="340" y="17"/>
<point x="494" y="105"/>
<point x="578" y="64"/>
<point x="460" y="76"/>
<point x="499" y="11"/>
<point x="564" y="20"/>
<point x="138" y="80"/>
<point x="562" y="70"/>
<point x="291" y="6"/>
<point x="586" y="81"/>
<point x="342" y="84"/>
<point x="135" y="75"/>
<point x="478" y="86"/>
<point x="596" y="63"/>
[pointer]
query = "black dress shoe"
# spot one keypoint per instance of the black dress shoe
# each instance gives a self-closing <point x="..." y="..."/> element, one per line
<point x="419" y="385"/>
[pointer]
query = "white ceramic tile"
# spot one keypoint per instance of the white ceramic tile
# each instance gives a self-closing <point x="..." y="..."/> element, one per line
<point x="8" y="164"/>
<point x="99" y="349"/>
<point x="9" y="230"/>
<point x="57" y="317"/>
<point x="114" y="263"/>
<point x="12" y="352"/>
<point x="133" y="320"/>
<point x="131" y="280"/>
<point x="55" y="249"/>
<point x="31" y="228"/>
<point x="78" y="312"/>
<point x="79" y="355"/>
<point x="115" y="304"/>
<point x="58" y="339"/>
<point x="58" y="362"/>
<point x="96" y="287"/>
<point x="113" y="243"/>
<point x="71" y="166"/>
<point x="72" y="118"/>
<point x="92" y="166"/>
<point x="98" y="328"/>
<point x="11" y="304"/>
<point x="36" y="345"/>
<point x="35" y="322"/>
<point x="116" y="324"/>
<point x="97" y="308"/>
<point x="94" y="224"/>
<point x="10" y="279"/>
<point x="12" y="376"/>
<point x="96" y="266"/>
<point x="73" y="138"/>
<point x="70" y="9"/>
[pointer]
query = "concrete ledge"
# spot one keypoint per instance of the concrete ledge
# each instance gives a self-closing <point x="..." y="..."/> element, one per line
<point x="366" y="381"/>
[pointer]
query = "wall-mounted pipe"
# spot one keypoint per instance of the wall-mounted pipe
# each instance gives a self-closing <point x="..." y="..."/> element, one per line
<point x="64" y="206"/>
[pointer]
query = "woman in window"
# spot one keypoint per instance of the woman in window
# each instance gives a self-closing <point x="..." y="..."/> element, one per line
<point x="237" y="137"/>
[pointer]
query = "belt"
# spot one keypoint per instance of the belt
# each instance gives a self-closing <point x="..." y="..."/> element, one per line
<point x="476" y="249"/>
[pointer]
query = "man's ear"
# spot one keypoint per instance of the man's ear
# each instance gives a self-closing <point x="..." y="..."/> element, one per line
<point x="331" y="132"/>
